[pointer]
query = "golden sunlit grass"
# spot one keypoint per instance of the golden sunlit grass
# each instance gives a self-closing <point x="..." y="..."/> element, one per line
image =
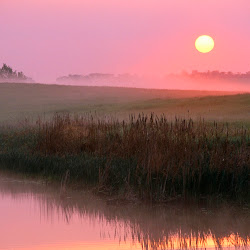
<point x="150" y="155"/>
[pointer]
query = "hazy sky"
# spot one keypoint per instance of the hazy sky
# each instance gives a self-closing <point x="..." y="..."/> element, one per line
<point x="50" y="38"/>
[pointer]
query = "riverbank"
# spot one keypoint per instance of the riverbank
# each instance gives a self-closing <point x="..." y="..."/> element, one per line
<point x="146" y="157"/>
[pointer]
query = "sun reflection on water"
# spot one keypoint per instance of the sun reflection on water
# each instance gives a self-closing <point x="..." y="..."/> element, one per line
<point x="34" y="217"/>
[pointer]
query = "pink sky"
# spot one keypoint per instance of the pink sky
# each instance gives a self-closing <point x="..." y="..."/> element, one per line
<point x="51" y="38"/>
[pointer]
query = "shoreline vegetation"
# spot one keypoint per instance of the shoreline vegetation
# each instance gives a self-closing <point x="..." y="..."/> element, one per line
<point x="147" y="156"/>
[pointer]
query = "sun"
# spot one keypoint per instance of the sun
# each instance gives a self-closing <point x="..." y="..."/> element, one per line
<point x="204" y="44"/>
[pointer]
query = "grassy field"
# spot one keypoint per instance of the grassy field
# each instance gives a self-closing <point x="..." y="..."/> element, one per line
<point x="18" y="101"/>
<point x="148" y="157"/>
<point x="151" y="156"/>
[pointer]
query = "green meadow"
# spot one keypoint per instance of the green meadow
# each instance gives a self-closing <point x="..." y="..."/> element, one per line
<point x="19" y="101"/>
<point x="143" y="143"/>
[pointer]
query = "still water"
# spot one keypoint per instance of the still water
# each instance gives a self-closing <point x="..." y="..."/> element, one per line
<point x="35" y="216"/>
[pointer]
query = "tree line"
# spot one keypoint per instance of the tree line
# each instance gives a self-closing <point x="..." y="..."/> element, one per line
<point x="7" y="73"/>
<point x="217" y="74"/>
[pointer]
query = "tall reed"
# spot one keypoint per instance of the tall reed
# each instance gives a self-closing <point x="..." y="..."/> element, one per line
<point x="153" y="156"/>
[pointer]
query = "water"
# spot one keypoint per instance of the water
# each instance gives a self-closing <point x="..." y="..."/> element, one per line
<point x="35" y="216"/>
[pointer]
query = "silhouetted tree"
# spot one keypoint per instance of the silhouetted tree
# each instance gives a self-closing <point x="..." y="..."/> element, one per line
<point x="7" y="73"/>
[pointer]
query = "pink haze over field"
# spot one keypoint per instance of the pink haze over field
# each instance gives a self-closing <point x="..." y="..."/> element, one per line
<point x="50" y="38"/>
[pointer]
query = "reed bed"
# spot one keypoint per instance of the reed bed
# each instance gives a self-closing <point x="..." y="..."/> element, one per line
<point x="149" y="156"/>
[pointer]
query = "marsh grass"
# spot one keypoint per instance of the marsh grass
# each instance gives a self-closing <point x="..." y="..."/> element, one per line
<point x="147" y="155"/>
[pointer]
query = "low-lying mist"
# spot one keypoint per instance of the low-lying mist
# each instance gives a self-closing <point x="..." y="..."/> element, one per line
<point x="181" y="82"/>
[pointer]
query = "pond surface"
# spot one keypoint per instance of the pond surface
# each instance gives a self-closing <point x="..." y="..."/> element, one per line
<point x="36" y="216"/>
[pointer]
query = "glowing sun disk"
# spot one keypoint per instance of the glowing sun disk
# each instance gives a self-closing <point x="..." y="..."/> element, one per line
<point x="204" y="44"/>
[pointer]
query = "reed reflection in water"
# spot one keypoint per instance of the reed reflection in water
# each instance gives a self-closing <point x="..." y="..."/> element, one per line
<point x="33" y="216"/>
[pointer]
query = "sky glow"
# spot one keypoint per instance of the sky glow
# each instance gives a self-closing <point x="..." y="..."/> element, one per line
<point x="50" y="38"/>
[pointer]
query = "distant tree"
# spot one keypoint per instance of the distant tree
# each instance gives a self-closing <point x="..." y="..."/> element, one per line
<point x="6" y="70"/>
<point x="7" y="73"/>
<point x="20" y="75"/>
<point x="219" y="74"/>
